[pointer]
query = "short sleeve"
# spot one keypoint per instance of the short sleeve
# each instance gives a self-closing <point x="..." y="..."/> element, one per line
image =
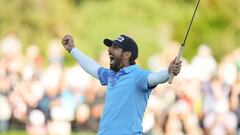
<point x="142" y="80"/>
<point x="103" y="75"/>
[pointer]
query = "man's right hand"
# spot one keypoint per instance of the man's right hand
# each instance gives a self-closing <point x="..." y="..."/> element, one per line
<point x="68" y="42"/>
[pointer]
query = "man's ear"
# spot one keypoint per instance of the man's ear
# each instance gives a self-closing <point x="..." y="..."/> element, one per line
<point x="127" y="54"/>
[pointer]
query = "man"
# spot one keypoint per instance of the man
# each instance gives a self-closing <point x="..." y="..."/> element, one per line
<point x="128" y="86"/>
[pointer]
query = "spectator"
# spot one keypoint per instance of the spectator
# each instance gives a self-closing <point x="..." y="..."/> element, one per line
<point x="34" y="94"/>
<point x="204" y="63"/>
<point x="5" y="113"/>
<point x="36" y="124"/>
<point x="10" y="42"/>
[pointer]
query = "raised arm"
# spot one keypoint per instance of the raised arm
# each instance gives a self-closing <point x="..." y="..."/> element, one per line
<point x="163" y="75"/>
<point x="159" y="77"/>
<point x="88" y="64"/>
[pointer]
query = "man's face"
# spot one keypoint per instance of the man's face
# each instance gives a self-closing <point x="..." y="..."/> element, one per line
<point x="116" y="59"/>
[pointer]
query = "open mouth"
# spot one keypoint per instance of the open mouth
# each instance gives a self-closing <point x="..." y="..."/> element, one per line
<point x="111" y="58"/>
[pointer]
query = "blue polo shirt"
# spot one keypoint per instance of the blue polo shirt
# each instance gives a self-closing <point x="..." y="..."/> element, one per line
<point x="126" y="99"/>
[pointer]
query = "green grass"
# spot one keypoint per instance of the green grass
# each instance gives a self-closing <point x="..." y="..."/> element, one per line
<point x="22" y="132"/>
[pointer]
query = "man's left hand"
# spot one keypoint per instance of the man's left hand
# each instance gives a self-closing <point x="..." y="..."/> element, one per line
<point x="175" y="67"/>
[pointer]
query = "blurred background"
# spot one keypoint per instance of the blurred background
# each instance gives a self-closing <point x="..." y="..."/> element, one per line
<point x="44" y="91"/>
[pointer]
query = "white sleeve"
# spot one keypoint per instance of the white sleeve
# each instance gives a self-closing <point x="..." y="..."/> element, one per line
<point x="158" y="77"/>
<point x="88" y="64"/>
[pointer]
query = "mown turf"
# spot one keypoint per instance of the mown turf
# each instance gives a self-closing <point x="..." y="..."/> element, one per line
<point x="22" y="132"/>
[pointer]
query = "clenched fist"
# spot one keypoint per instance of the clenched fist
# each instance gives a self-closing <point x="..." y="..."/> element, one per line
<point x="68" y="42"/>
<point x="175" y="67"/>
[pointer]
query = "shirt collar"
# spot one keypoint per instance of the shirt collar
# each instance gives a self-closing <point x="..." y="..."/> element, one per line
<point x="129" y="69"/>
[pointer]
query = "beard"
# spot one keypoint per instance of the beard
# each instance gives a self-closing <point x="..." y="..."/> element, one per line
<point x="116" y="64"/>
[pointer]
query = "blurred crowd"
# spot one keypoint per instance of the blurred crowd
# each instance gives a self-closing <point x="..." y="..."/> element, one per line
<point x="50" y="98"/>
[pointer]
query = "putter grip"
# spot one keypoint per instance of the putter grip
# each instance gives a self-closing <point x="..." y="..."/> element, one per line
<point x="177" y="59"/>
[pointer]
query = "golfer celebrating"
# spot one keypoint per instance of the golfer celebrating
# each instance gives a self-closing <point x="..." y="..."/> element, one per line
<point x="128" y="86"/>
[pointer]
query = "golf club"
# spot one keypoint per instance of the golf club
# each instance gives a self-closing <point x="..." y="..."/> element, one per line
<point x="184" y="41"/>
